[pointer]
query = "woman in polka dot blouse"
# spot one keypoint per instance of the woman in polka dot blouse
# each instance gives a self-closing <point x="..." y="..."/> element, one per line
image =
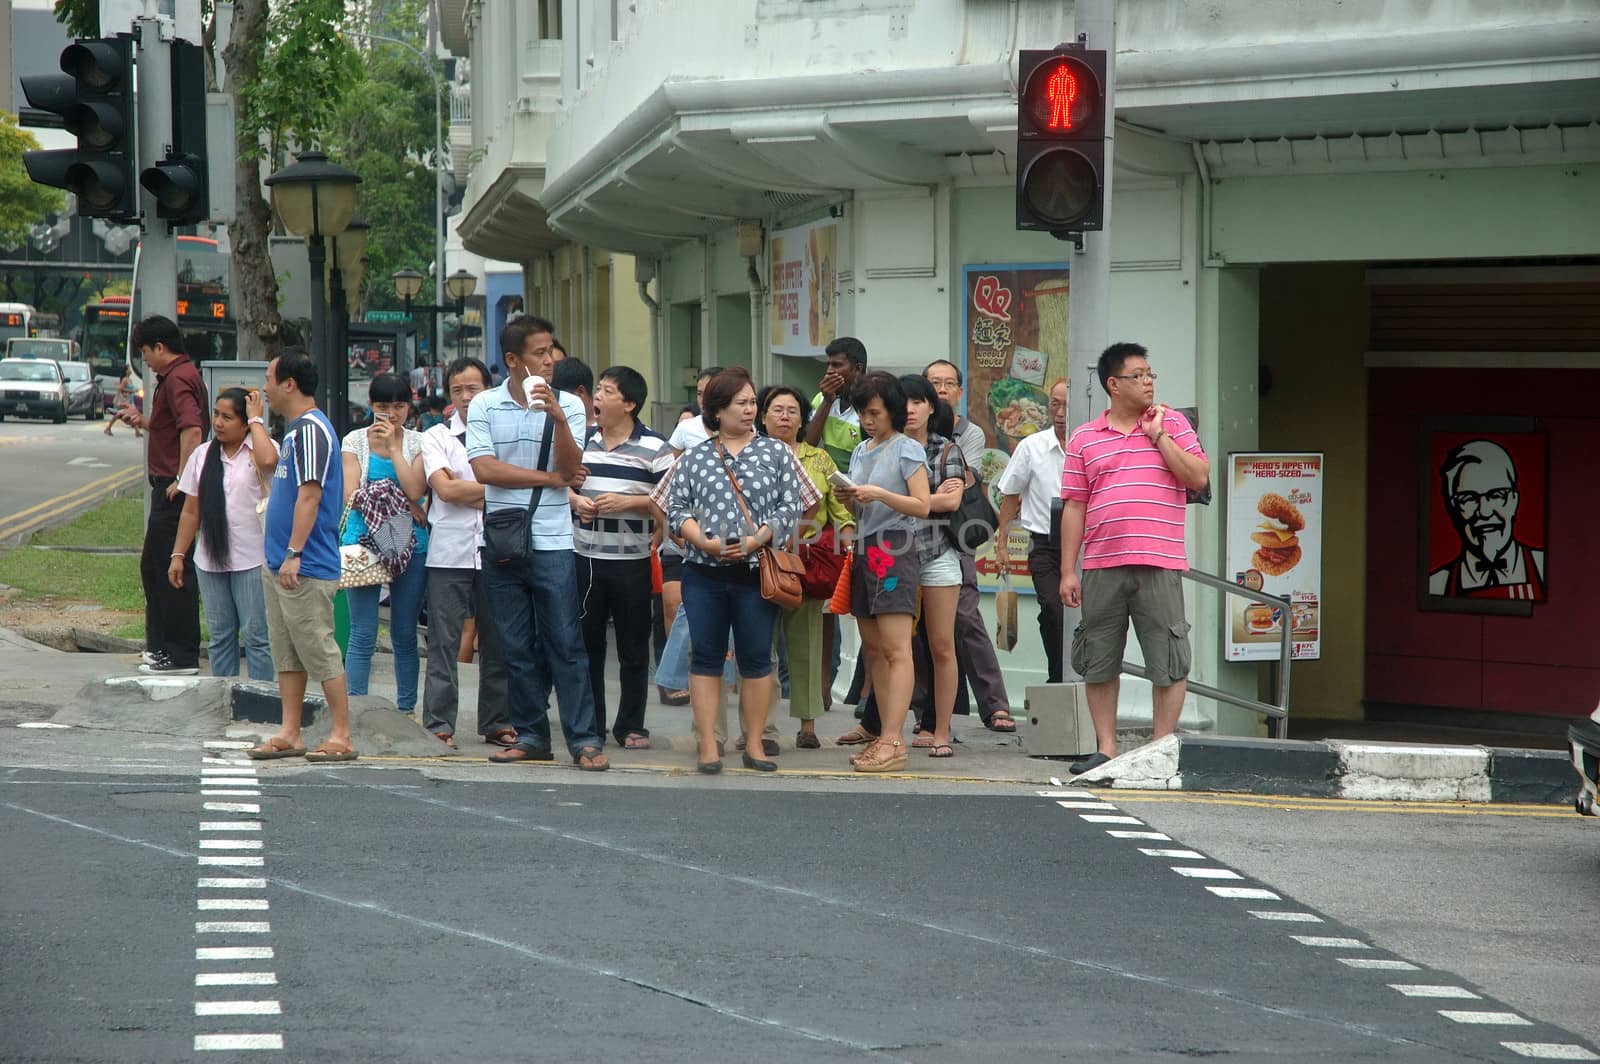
<point x="721" y="581"/>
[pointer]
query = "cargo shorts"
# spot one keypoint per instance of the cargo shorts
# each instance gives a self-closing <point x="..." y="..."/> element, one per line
<point x="1153" y="599"/>
<point x="300" y="627"/>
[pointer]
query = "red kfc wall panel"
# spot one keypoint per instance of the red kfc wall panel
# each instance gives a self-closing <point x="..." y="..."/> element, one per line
<point x="1546" y="663"/>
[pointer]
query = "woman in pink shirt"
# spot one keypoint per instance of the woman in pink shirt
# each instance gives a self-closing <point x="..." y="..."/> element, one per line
<point x="226" y="483"/>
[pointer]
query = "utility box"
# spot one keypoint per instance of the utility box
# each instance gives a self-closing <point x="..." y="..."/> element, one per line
<point x="1059" y="724"/>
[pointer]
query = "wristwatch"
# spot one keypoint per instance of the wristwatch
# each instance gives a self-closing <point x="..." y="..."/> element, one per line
<point x="290" y="552"/>
<point x="256" y="421"/>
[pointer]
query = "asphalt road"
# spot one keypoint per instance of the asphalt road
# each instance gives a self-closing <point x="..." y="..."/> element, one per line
<point x="40" y="461"/>
<point x="550" y="916"/>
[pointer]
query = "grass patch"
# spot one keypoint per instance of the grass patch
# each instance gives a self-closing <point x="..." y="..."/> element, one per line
<point x="118" y="523"/>
<point x="131" y="630"/>
<point x="109" y="580"/>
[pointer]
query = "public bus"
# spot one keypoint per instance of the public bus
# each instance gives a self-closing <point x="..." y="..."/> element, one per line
<point x="16" y="319"/>
<point x="205" y="316"/>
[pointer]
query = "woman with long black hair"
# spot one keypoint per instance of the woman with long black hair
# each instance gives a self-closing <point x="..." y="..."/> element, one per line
<point x="226" y="483"/>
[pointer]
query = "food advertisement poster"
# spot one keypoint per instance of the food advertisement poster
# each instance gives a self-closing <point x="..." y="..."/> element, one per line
<point x="805" y="266"/>
<point x="1015" y="329"/>
<point x="1275" y="546"/>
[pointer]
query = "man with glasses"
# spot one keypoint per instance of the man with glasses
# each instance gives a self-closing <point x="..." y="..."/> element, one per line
<point x="1479" y="481"/>
<point x="1124" y="489"/>
<point x="946" y="380"/>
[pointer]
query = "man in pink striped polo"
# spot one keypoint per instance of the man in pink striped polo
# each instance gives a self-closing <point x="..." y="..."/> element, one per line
<point x="1123" y="490"/>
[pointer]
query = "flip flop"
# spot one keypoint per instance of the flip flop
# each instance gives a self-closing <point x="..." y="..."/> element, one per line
<point x="923" y="741"/>
<point x="942" y="750"/>
<point x="635" y="741"/>
<point x="273" y="749"/>
<point x="590" y="759"/>
<point x="448" y="738"/>
<point x="502" y="737"/>
<point x="331" y="751"/>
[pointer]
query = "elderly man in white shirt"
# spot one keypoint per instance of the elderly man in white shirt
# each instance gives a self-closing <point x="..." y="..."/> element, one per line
<point x="1031" y="485"/>
<point x="455" y="579"/>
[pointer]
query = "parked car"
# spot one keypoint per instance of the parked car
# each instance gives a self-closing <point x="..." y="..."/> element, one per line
<point x="32" y="387"/>
<point x="83" y="391"/>
<point x="1584" y="740"/>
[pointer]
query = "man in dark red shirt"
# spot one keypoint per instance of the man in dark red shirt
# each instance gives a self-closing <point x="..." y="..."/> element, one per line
<point x="176" y="424"/>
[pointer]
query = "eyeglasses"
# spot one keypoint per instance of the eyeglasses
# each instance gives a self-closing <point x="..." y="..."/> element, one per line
<point x="1467" y="501"/>
<point x="1138" y="378"/>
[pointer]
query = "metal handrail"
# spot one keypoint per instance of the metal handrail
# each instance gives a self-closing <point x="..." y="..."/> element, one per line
<point x="1277" y="714"/>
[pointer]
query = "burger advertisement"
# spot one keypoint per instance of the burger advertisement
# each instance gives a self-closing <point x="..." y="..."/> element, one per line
<point x="1275" y="546"/>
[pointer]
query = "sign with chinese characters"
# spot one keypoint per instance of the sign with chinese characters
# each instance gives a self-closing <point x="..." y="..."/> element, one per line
<point x="803" y="280"/>
<point x="1274" y="542"/>
<point x="1014" y="329"/>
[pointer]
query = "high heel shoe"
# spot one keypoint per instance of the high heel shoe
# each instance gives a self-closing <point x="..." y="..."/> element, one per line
<point x="758" y="764"/>
<point x="709" y="768"/>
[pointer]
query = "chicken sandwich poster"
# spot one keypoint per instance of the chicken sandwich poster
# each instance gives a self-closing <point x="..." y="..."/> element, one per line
<point x="1275" y="546"/>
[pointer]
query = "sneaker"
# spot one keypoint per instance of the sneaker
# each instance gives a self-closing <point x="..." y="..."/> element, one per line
<point x="148" y="657"/>
<point x="164" y="666"/>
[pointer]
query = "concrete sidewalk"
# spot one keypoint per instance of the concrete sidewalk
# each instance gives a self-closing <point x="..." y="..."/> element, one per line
<point x="105" y="694"/>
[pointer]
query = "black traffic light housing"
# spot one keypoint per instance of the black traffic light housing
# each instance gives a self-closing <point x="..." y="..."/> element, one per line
<point x="180" y="182"/>
<point x="93" y="99"/>
<point x="1061" y="150"/>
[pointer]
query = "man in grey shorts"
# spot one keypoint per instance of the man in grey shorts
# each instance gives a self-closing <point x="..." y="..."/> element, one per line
<point x="1123" y="490"/>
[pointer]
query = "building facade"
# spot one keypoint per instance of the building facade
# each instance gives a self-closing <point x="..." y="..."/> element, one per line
<point x="1350" y="232"/>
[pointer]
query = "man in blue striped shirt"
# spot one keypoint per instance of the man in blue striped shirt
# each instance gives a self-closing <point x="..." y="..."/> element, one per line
<point x="535" y="601"/>
<point x="612" y="531"/>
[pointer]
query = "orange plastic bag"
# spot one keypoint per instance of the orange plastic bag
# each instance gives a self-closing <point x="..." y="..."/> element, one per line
<point x="839" y="605"/>
<point x="655" y="572"/>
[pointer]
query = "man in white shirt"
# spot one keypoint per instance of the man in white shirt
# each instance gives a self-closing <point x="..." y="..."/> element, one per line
<point x="1031" y="486"/>
<point x="455" y="579"/>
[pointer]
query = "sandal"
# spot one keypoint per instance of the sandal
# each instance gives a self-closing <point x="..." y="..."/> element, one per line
<point x="273" y="749"/>
<point x="331" y="751"/>
<point x="672" y="698"/>
<point x="855" y="737"/>
<point x="942" y="750"/>
<point x="502" y="737"/>
<point x="882" y="756"/>
<point x="590" y="759"/>
<point x="807" y="740"/>
<point x="636" y="741"/>
<point x="448" y="738"/>
<point x="1001" y="720"/>
<point x="922" y="741"/>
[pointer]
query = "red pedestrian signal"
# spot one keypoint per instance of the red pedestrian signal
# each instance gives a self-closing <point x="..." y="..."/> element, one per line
<point x="1060" y="162"/>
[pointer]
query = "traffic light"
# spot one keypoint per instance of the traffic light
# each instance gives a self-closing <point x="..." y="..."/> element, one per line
<point x="180" y="182"/>
<point x="1061" y="151"/>
<point x="93" y="99"/>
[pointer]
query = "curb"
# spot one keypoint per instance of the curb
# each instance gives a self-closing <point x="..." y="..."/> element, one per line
<point x="1404" y="772"/>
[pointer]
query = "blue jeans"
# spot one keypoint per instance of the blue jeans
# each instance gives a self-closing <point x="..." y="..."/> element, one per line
<point x="672" y="671"/>
<point x="535" y="606"/>
<point x="714" y="606"/>
<point x="405" y="606"/>
<point x="236" y="608"/>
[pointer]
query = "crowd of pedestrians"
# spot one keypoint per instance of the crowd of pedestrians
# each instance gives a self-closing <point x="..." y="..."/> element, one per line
<point x="534" y="515"/>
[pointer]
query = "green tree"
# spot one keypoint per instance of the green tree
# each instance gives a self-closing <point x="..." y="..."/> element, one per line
<point x="23" y="204"/>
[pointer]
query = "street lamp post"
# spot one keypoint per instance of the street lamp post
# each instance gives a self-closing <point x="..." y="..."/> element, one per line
<point x="459" y="286"/>
<point x="317" y="199"/>
<point x="349" y="265"/>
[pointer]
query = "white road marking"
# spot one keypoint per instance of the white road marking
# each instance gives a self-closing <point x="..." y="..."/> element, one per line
<point x="1174" y="855"/>
<point x="231" y="807"/>
<point x="230" y="883"/>
<point x="237" y="1041"/>
<point x="236" y="953"/>
<point x="232" y="780"/>
<point x="232" y="844"/>
<point x="244" y="764"/>
<point x="224" y="793"/>
<point x="1244" y="892"/>
<point x="230" y="825"/>
<point x="42" y="724"/>
<point x="233" y="768"/>
<point x="1293" y="918"/>
<point x="226" y="744"/>
<point x="1206" y="873"/>
<point x="236" y="979"/>
<point x="1549" y="1051"/>
<point x="232" y="927"/>
<point x="1381" y="964"/>
<point x="237" y="1008"/>
<point x="1088" y="805"/>
<point x="1094" y="819"/>
<point x="230" y="904"/>
<point x="1426" y="990"/>
<point x="1325" y="942"/>
<point x="230" y="861"/>
<point x="1152" y="835"/>
<point x="1488" y="1019"/>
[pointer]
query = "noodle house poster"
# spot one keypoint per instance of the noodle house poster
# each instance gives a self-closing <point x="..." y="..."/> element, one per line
<point x="1275" y="545"/>
<point x="1015" y="329"/>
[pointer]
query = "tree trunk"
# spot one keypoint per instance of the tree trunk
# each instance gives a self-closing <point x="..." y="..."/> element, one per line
<point x="255" y="286"/>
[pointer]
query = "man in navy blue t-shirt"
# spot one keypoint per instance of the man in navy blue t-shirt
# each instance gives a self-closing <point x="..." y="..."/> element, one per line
<point x="302" y="571"/>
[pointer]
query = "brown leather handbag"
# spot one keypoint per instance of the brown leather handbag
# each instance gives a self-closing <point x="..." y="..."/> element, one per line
<point x="782" y="572"/>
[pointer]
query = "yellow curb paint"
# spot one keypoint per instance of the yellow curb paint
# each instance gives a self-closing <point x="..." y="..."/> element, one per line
<point x="19" y="522"/>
